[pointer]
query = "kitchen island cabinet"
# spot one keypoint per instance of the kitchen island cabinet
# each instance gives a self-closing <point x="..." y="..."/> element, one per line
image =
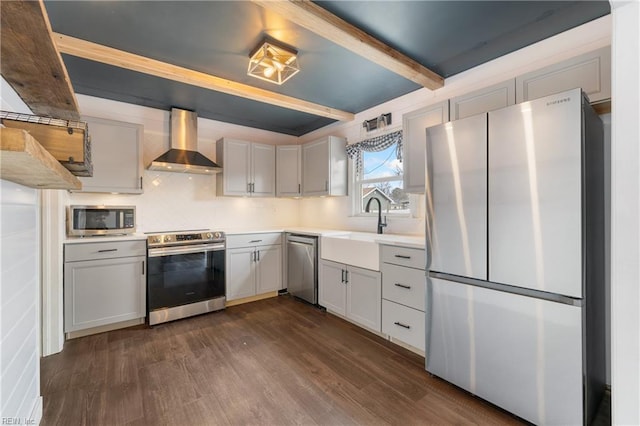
<point x="254" y="264"/>
<point x="104" y="283"/>
<point x="354" y="293"/>
<point x="116" y="153"/>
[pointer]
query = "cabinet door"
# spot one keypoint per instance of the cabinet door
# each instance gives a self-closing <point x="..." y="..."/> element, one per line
<point x="289" y="171"/>
<point x="236" y="172"/>
<point x="315" y="168"/>
<point x="100" y="292"/>
<point x="338" y="166"/>
<point x="403" y="323"/>
<point x="263" y="161"/>
<point x="484" y="100"/>
<point x="364" y="297"/>
<point x="241" y="273"/>
<point x="269" y="272"/>
<point x="404" y="285"/>
<point x="591" y="72"/>
<point x="332" y="292"/>
<point x="116" y="152"/>
<point x="414" y="142"/>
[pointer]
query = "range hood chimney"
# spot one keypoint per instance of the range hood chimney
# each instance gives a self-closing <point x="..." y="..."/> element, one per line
<point x="183" y="157"/>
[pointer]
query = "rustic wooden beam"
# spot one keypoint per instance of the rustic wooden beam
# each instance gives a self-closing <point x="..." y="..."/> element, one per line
<point x="107" y="55"/>
<point x="327" y="25"/>
<point x="30" y="62"/>
<point x="23" y="160"/>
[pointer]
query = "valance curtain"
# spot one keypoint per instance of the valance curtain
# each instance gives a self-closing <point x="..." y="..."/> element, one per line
<point x="375" y="144"/>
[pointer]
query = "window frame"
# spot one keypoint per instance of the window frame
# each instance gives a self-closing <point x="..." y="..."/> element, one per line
<point x="357" y="209"/>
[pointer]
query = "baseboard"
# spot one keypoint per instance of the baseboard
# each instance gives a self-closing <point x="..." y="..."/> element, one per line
<point x="104" y="328"/>
<point x="251" y="298"/>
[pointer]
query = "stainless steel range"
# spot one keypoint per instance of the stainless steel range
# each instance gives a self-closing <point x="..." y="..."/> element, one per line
<point x="186" y="274"/>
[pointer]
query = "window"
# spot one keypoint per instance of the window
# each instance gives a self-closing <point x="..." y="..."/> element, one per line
<point x="380" y="176"/>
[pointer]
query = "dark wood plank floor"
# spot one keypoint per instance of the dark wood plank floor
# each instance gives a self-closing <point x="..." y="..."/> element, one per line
<point x="272" y="362"/>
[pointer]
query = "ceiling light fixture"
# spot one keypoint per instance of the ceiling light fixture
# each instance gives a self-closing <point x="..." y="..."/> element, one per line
<point x="273" y="62"/>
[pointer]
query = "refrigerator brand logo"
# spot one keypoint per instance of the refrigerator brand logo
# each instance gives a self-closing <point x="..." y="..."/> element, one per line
<point x="558" y="101"/>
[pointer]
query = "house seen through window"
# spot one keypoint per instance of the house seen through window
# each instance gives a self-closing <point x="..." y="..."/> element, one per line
<point x="381" y="177"/>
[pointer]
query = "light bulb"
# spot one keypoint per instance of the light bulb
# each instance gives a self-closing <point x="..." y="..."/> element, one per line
<point x="268" y="72"/>
<point x="277" y="65"/>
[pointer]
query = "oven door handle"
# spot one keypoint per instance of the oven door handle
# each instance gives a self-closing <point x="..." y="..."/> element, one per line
<point x="168" y="251"/>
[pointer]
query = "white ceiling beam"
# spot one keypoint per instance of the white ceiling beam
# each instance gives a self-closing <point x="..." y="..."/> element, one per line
<point x="327" y="25"/>
<point x="108" y="55"/>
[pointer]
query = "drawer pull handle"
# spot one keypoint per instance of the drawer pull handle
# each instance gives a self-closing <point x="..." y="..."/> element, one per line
<point x="255" y="241"/>
<point x="408" y="287"/>
<point x="106" y="250"/>
<point x="401" y="256"/>
<point x="402" y="325"/>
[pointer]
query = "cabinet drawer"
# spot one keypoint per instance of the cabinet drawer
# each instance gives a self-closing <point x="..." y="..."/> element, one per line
<point x="250" y="240"/>
<point x="396" y="279"/>
<point x="403" y="256"/>
<point x="104" y="250"/>
<point x="403" y="323"/>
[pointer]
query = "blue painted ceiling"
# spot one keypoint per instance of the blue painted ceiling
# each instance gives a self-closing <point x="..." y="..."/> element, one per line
<point x="216" y="37"/>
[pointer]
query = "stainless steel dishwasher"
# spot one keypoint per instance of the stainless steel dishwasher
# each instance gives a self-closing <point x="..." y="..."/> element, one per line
<point x="302" y="267"/>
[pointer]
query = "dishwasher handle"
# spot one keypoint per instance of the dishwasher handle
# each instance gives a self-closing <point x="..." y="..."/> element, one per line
<point x="311" y="241"/>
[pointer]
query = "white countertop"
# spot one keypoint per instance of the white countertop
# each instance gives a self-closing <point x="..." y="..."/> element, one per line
<point x="412" y="241"/>
<point x="104" y="238"/>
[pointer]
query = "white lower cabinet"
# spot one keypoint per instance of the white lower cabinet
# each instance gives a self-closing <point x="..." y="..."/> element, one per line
<point x="254" y="264"/>
<point x="352" y="292"/>
<point x="403" y="323"/>
<point x="104" y="283"/>
<point x="403" y="295"/>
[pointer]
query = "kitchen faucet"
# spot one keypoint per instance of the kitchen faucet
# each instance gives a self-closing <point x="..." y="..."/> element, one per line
<point x="380" y="223"/>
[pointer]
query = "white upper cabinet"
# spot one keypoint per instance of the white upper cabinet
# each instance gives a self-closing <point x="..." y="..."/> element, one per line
<point x="263" y="161"/>
<point x="414" y="143"/>
<point x="289" y="171"/>
<point x="248" y="169"/>
<point x="116" y="152"/>
<point x="324" y="167"/>
<point x="591" y="72"/>
<point x="483" y="100"/>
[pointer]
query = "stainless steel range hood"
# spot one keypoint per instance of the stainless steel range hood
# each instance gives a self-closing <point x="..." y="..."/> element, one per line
<point x="183" y="157"/>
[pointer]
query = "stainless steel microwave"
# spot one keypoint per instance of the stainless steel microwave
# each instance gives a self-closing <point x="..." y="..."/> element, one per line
<point x="83" y="221"/>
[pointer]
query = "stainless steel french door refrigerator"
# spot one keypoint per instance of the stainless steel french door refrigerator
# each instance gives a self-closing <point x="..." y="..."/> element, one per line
<point x="515" y="231"/>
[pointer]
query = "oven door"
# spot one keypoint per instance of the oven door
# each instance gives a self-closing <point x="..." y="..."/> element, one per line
<point x="182" y="275"/>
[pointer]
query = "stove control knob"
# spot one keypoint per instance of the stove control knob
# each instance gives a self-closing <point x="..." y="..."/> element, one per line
<point x="218" y="235"/>
<point x="209" y="235"/>
<point x="167" y="238"/>
<point x="156" y="239"/>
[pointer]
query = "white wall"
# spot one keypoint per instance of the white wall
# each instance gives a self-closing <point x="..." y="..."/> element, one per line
<point x="177" y="201"/>
<point x="335" y="212"/>
<point x="20" y="399"/>
<point x="625" y="214"/>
